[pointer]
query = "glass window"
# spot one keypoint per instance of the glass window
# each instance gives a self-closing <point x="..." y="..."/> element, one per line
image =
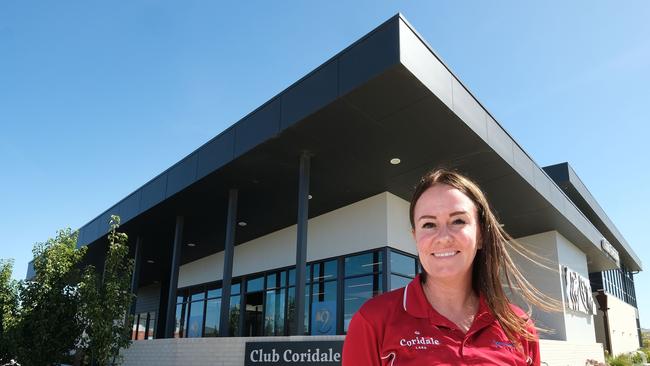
<point x="357" y="290"/>
<point x="253" y="316"/>
<point x="235" y="289"/>
<point x="274" y="312"/>
<point x="255" y="284"/>
<point x="152" y="325"/>
<point x="134" y="327"/>
<point x="292" y="275"/>
<point x="195" y="320"/>
<point x="197" y="294"/>
<point x="142" y="325"/>
<point x="325" y="270"/>
<point x="180" y="320"/>
<point x="212" y="314"/>
<point x="397" y="281"/>
<point x="291" y="313"/>
<point x="402" y="264"/>
<point x="234" y="316"/>
<point x="363" y="264"/>
<point x="215" y="292"/>
<point x="324" y="291"/>
<point x="272" y="280"/>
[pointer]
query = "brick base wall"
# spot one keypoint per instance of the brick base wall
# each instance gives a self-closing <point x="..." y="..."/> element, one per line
<point x="230" y="351"/>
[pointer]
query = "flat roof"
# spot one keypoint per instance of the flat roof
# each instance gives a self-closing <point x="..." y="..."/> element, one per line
<point x="567" y="179"/>
<point x="387" y="95"/>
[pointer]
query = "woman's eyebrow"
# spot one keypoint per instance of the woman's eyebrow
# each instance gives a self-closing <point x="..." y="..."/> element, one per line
<point x="455" y="213"/>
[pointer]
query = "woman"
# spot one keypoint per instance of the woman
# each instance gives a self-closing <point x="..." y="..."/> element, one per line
<point x="455" y="312"/>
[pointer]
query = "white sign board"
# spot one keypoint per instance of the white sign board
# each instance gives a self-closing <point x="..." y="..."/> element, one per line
<point x="577" y="292"/>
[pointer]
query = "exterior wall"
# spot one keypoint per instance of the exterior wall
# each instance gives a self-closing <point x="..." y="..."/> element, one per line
<point x="374" y="222"/>
<point x="579" y="326"/>
<point x="199" y="351"/>
<point x="230" y="351"/>
<point x="399" y="227"/>
<point x="559" y="353"/>
<point x="622" y="326"/>
<point x="547" y="280"/>
<point x="556" y="251"/>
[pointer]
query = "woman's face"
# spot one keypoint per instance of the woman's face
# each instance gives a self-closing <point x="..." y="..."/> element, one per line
<point x="446" y="233"/>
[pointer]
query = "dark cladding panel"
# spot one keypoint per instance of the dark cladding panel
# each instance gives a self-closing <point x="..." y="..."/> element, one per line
<point x="558" y="172"/>
<point x="148" y="299"/>
<point x="182" y="174"/>
<point x="370" y="57"/>
<point x="103" y="226"/>
<point x="130" y="206"/>
<point x="153" y="192"/>
<point x="91" y="232"/>
<point x="215" y="153"/>
<point x="257" y="127"/>
<point x="81" y="237"/>
<point x="310" y="94"/>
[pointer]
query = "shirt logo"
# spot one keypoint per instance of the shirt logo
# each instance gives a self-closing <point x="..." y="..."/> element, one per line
<point x="508" y="345"/>
<point x="418" y="341"/>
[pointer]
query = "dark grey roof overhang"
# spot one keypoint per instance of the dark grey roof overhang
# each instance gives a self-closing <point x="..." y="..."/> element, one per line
<point x="387" y="95"/>
<point x="567" y="179"/>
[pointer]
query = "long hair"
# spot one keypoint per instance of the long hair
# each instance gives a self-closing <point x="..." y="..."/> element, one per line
<point x="493" y="267"/>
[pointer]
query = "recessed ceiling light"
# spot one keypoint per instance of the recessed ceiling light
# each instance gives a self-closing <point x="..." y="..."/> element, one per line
<point x="395" y="161"/>
<point x="191" y="244"/>
<point x="242" y="223"/>
<point x="150" y="261"/>
<point x="310" y="196"/>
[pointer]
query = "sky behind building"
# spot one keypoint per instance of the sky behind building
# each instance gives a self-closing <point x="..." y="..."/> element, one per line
<point x="96" y="98"/>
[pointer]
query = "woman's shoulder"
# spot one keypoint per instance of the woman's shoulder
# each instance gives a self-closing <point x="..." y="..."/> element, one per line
<point x="378" y="306"/>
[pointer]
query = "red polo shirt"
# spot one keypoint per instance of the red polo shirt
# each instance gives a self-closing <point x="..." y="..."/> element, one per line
<point x="401" y="328"/>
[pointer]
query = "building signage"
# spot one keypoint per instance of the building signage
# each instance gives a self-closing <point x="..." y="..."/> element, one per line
<point x="323" y="314"/>
<point x="323" y="353"/>
<point x="577" y="292"/>
<point x="610" y="250"/>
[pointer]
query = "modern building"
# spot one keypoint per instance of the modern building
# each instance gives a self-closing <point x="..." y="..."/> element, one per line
<point x="280" y="227"/>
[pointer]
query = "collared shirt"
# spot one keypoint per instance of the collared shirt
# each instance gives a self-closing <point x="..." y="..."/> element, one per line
<point x="401" y="328"/>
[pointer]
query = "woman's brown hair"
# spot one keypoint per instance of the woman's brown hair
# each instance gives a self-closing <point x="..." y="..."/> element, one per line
<point x="492" y="263"/>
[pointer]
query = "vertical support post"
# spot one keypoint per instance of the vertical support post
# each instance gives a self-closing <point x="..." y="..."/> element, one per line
<point x="135" y="278"/>
<point x="229" y="251"/>
<point x="170" y="321"/>
<point x="301" y="242"/>
<point x="386" y="270"/>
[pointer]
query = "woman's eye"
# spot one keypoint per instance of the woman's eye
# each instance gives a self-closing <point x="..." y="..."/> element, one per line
<point x="428" y="225"/>
<point x="459" y="222"/>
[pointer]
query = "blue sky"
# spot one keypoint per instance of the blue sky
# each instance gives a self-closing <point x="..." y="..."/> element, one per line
<point x="96" y="98"/>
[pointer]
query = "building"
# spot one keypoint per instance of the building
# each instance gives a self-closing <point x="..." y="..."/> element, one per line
<point x="281" y="226"/>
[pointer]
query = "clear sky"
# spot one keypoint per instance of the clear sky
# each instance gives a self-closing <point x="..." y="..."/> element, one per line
<point x="96" y="98"/>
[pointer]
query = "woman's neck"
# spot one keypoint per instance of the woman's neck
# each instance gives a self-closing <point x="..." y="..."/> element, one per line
<point x="455" y="301"/>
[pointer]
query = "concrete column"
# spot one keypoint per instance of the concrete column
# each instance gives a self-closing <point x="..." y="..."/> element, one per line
<point x="301" y="243"/>
<point x="229" y="251"/>
<point x="173" y="278"/>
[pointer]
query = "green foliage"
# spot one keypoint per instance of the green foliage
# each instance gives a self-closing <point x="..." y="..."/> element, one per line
<point x="49" y="328"/>
<point x="8" y="311"/>
<point x="626" y="359"/>
<point x="638" y="358"/>
<point x="106" y="300"/>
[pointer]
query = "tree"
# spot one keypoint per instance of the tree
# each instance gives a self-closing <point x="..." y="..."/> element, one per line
<point x="8" y="311"/>
<point x="106" y="300"/>
<point x="49" y="326"/>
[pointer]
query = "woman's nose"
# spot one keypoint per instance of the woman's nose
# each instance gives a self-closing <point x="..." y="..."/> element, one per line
<point x="443" y="234"/>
